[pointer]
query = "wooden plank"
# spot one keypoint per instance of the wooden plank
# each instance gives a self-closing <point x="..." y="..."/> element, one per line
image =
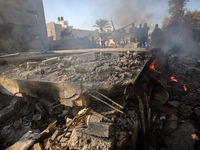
<point x="26" y="141"/>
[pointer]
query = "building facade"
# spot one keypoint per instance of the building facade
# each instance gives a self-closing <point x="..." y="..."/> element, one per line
<point x="54" y="31"/>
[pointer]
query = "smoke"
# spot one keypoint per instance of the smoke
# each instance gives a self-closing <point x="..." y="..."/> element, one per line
<point x="124" y="12"/>
<point x="180" y="38"/>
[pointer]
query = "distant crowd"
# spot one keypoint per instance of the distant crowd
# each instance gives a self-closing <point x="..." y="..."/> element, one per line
<point x="140" y="36"/>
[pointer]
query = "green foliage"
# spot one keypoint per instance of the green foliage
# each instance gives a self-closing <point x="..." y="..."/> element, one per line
<point x="102" y="24"/>
<point x="192" y="20"/>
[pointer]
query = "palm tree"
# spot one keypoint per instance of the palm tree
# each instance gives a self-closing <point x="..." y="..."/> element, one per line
<point x="104" y="24"/>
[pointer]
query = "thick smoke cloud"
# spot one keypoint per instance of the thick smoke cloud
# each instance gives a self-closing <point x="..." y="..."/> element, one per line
<point x="124" y="12"/>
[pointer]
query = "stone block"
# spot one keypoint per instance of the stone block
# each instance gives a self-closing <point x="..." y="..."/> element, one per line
<point x="80" y="140"/>
<point x="50" y="61"/>
<point x="99" y="129"/>
<point x="92" y="56"/>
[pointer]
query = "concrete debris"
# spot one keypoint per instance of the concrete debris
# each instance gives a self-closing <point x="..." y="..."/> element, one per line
<point x="159" y="113"/>
<point x="99" y="129"/>
<point x="80" y="140"/>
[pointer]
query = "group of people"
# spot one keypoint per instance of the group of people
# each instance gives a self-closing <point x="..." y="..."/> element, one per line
<point x="140" y="35"/>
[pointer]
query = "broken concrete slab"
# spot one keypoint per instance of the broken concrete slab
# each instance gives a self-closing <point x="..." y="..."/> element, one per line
<point x="50" y="61"/>
<point x="26" y="141"/>
<point x="181" y="138"/>
<point x="87" y="56"/>
<point x="82" y="141"/>
<point x="64" y="92"/>
<point x="99" y="129"/>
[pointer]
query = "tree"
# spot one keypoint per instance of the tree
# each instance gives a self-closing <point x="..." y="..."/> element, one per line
<point x="176" y="9"/>
<point x="192" y="20"/>
<point x="104" y="24"/>
<point x="66" y="33"/>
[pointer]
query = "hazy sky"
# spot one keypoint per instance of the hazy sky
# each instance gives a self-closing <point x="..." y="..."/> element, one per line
<point x="82" y="14"/>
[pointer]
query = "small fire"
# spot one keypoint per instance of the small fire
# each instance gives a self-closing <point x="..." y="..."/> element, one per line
<point x="152" y="66"/>
<point x="172" y="79"/>
<point x="184" y="87"/>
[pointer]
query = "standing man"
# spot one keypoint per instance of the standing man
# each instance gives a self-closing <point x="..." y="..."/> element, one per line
<point x="133" y="33"/>
<point x="156" y="37"/>
<point x="139" y="36"/>
<point x="145" y="35"/>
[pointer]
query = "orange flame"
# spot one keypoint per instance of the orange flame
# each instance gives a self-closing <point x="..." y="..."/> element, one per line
<point x="152" y="66"/>
<point x="184" y="87"/>
<point x="172" y="79"/>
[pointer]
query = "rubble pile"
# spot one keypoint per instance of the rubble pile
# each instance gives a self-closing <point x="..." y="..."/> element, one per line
<point x="155" y="109"/>
<point x="98" y="70"/>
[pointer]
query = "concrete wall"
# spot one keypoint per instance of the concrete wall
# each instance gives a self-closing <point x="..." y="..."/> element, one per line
<point x="26" y="19"/>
